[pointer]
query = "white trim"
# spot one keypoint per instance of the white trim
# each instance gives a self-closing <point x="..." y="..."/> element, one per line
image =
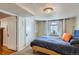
<point x="23" y="7"/>
<point x="7" y="12"/>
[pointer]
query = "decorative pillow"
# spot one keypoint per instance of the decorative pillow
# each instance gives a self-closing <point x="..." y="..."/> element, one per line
<point x="67" y="37"/>
<point x="74" y="41"/>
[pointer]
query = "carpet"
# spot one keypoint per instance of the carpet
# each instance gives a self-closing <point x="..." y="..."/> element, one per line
<point x="25" y="51"/>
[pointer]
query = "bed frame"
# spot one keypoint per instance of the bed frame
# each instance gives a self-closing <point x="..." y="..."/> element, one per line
<point x="44" y="50"/>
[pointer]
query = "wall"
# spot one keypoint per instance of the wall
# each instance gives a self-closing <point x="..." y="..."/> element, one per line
<point x="67" y="25"/>
<point x="30" y="30"/>
<point x="77" y="23"/>
<point x="70" y="25"/>
<point x="41" y="29"/>
<point x="20" y="33"/>
<point x="26" y="31"/>
<point x="60" y="31"/>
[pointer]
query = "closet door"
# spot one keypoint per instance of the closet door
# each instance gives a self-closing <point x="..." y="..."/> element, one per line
<point x="11" y="28"/>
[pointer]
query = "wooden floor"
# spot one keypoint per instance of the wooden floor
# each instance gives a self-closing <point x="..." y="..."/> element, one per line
<point x="6" y="51"/>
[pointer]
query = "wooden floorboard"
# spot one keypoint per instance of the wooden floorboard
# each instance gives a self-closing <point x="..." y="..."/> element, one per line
<point x="6" y="51"/>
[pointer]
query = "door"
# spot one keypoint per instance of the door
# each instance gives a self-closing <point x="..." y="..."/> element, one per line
<point x="11" y="29"/>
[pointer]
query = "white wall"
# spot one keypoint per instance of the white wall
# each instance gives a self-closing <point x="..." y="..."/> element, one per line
<point x="77" y="23"/>
<point x="70" y="25"/>
<point x="21" y="33"/>
<point x="30" y="30"/>
<point x="25" y="32"/>
<point x="41" y="28"/>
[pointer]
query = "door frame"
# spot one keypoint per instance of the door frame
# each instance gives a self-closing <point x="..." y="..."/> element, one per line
<point x="16" y="33"/>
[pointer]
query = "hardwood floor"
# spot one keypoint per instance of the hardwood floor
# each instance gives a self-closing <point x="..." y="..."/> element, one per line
<point x="6" y="51"/>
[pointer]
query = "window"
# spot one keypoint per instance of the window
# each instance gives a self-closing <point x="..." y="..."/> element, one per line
<point x="55" y="27"/>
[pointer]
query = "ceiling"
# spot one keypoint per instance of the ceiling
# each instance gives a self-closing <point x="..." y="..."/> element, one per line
<point x="13" y="8"/>
<point x="36" y="9"/>
<point x="60" y="9"/>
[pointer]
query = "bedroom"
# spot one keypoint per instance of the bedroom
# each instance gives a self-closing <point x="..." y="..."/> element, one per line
<point x="62" y="19"/>
<point x="41" y="20"/>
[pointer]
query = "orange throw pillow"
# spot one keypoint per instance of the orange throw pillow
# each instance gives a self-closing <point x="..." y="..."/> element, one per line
<point x="67" y="37"/>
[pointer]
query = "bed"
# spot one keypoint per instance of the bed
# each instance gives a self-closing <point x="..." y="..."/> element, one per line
<point x="54" y="45"/>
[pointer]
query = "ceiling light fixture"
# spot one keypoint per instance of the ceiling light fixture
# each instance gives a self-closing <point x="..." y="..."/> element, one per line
<point x="48" y="10"/>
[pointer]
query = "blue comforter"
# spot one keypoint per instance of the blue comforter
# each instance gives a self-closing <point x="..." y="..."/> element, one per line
<point x="56" y="44"/>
